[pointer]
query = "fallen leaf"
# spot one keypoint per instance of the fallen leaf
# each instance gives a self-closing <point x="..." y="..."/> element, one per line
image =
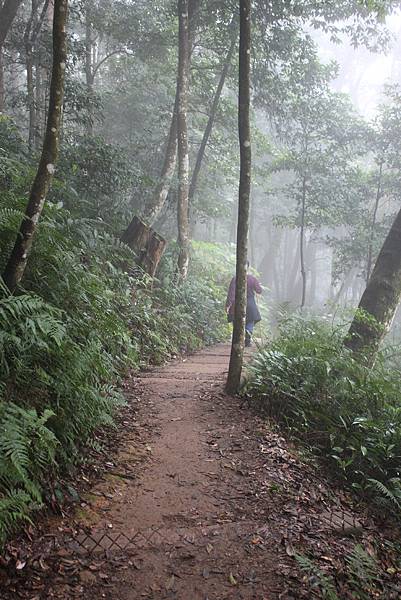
<point x="232" y="579"/>
<point x="87" y="577"/>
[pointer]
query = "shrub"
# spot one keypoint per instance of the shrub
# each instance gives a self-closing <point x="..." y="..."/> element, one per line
<point x="343" y="410"/>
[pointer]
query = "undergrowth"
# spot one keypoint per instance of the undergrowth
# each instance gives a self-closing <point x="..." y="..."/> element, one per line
<point x="343" y="410"/>
<point x="80" y="322"/>
<point x="362" y="576"/>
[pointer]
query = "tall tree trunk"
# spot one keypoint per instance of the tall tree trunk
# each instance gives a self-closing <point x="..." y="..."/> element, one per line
<point x="302" y="243"/>
<point x="237" y="346"/>
<point x="373" y="224"/>
<point x="153" y="208"/>
<point x="212" y="113"/>
<point x="8" y="12"/>
<point x="17" y="262"/>
<point x="182" y="137"/>
<point x="380" y="299"/>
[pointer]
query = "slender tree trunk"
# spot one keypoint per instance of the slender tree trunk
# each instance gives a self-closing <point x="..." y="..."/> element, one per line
<point x="8" y="12"/>
<point x="212" y="114"/>
<point x="182" y="136"/>
<point x="302" y="243"/>
<point x="237" y="346"/>
<point x="373" y="224"/>
<point x="380" y="299"/>
<point x="152" y="210"/>
<point x="17" y="262"/>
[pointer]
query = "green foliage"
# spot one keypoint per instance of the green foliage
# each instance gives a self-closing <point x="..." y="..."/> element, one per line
<point x="342" y="409"/>
<point x="361" y="574"/>
<point x="82" y="320"/>
<point x="68" y="338"/>
<point x="325" y="584"/>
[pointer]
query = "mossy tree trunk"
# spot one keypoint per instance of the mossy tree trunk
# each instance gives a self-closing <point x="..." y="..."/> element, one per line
<point x="237" y="346"/>
<point x="15" y="267"/>
<point x="380" y="299"/>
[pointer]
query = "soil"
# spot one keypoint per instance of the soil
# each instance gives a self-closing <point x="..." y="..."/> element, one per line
<point x="204" y="500"/>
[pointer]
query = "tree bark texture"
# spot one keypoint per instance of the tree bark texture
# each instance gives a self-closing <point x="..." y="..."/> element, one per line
<point x="182" y="140"/>
<point x="8" y="13"/>
<point x="147" y="244"/>
<point x="380" y="299"/>
<point x="17" y="262"/>
<point x="212" y="114"/>
<point x="237" y="346"/>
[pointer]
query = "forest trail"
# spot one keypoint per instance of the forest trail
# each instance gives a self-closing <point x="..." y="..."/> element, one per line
<point x="191" y="503"/>
<point x="202" y="502"/>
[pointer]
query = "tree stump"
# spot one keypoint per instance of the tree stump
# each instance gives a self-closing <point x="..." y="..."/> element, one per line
<point x="147" y="244"/>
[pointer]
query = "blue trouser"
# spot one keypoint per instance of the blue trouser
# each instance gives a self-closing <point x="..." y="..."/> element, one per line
<point x="249" y="327"/>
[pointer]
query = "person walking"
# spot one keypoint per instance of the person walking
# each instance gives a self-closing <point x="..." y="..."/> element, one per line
<point x="252" y="312"/>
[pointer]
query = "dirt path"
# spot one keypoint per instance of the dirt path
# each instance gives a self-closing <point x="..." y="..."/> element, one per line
<point x="195" y="541"/>
<point x="203" y="502"/>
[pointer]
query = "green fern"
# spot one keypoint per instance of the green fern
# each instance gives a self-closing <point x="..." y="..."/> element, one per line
<point x="392" y="497"/>
<point x="363" y="572"/>
<point x="10" y="218"/>
<point x="14" y="508"/>
<point x="318" y="579"/>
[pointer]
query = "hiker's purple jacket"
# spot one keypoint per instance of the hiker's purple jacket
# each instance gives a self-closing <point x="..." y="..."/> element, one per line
<point x="252" y="286"/>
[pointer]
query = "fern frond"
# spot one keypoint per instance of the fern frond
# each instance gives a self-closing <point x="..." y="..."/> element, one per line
<point x="385" y="493"/>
